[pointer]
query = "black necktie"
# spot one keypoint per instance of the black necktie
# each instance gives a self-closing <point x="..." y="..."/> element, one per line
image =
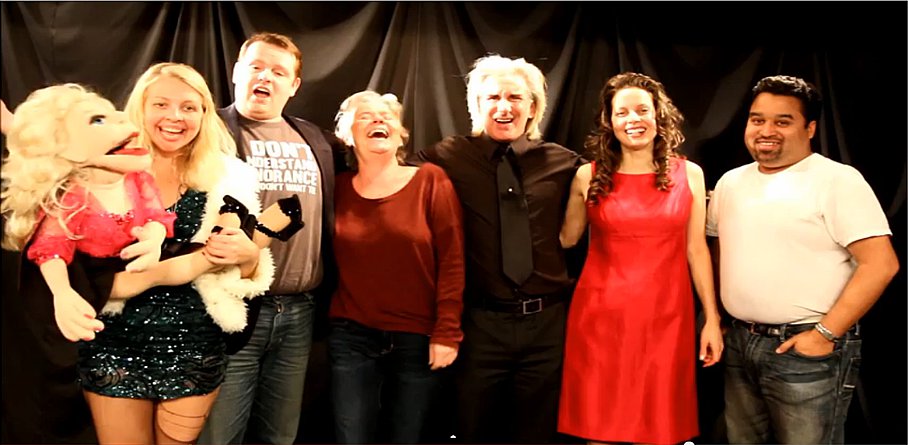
<point x="516" y="244"/>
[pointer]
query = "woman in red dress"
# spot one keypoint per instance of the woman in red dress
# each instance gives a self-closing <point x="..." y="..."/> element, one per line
<point x="629" y="367"/>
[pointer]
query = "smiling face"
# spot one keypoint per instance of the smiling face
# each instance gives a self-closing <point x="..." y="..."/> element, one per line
<point x="634" y="119"/>
<point x="264" y="80"/>
<point x="100" y="136"/>
<point x="376" y="129"/>
<point x="506" y="105"/>
<point x="173" y="114"/>
<point x="777" y="134"/>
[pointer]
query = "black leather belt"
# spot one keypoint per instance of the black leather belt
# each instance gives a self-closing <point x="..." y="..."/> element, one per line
<point x="525" y="306"/>
<point x="779" y="330"/>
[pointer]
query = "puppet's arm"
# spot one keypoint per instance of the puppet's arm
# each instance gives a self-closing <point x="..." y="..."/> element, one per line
<point x="74" y="316"/>
<point x="52" y="250"/>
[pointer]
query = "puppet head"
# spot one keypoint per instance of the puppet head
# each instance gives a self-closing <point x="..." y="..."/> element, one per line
<point x="59" y="134"/>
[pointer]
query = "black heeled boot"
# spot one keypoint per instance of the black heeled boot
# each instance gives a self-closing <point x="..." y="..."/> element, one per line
<point x="233" y="205"/>
<point x="290" y="206"/>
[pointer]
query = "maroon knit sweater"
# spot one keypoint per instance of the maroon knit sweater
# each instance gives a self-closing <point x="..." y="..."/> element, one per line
<point x="400" y="258"/>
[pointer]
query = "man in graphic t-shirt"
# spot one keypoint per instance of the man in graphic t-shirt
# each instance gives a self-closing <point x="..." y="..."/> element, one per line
<point x="263" y="389"/>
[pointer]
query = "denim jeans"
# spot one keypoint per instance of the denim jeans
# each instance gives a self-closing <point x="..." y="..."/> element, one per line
<point x="366" y="361"/>
<point x="790" y="397"/>
<point x="264" y="385"/>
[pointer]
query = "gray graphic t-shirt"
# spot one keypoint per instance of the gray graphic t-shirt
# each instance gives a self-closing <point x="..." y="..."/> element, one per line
<point x="286" y="166"/>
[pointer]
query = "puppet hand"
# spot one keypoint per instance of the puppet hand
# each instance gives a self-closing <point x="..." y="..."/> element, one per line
<point x="144" y="260"/>
<point x="75" y="317"/>
<point x="147" y="251"/>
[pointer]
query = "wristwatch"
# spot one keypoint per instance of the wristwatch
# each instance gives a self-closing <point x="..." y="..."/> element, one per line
<point x="825" y="332"/>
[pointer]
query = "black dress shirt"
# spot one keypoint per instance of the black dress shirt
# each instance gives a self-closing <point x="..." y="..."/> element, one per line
<point x="546" y="170"/>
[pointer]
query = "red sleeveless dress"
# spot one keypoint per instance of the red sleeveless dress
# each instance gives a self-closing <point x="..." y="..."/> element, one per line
<point x="629" y="363"/>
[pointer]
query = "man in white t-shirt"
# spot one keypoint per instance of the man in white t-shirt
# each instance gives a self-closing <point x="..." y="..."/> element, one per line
<point x="804" y="252"/>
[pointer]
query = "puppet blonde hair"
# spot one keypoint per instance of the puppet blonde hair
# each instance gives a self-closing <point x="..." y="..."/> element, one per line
<point x="34" y="174"/>
<point x="202" y="165"/>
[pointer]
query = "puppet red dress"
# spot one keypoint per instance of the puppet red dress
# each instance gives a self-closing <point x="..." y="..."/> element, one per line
<point x="105" y="233"/>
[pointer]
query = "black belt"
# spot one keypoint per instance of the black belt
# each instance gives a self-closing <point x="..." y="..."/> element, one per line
<point x="780" y="330"/>
<point x="525" y="306"/>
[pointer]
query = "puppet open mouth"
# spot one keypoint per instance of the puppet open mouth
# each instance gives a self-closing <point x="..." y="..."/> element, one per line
<point x="122" y="149"/>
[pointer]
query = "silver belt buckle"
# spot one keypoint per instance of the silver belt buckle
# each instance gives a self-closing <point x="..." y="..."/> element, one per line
<point x="530" y="303"/>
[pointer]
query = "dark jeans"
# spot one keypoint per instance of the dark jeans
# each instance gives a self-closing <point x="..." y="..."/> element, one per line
<point x="509" y="376"/>
<point x="790" y="397"/>
<point x="364" y="361"/>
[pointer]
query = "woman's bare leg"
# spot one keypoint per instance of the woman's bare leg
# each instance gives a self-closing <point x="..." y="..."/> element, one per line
<point x="121" y="420"/>
<point x="179" y="421"/>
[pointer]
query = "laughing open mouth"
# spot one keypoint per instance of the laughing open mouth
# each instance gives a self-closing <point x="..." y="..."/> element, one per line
<point x="379" y="133"/>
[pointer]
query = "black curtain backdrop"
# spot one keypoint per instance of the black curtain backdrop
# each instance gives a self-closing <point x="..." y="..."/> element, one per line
<point x="708" y="55"/>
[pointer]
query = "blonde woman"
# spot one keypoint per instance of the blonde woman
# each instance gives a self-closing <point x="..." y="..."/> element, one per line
<point x="152" y="374"/>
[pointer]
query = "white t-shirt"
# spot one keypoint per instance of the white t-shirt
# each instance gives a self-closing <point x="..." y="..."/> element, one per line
<point x="783" y="237"/>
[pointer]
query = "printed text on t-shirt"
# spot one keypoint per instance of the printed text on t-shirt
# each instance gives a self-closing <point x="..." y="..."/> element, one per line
<point x="286" y="166"/>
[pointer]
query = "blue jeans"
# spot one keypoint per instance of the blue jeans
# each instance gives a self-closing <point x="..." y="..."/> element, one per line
<point x="790" y="397"/>
<point x="363" y="361"/>
<point x="264" y="385"/>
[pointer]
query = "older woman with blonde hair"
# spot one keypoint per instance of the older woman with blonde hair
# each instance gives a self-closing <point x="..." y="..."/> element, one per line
<point x="395" y="318"/>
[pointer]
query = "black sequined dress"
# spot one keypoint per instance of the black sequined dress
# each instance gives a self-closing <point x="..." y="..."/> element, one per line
<point x="164" y="345"/>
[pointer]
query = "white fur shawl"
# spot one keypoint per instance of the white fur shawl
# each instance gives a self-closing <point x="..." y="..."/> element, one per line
<point x="224" y="291"/>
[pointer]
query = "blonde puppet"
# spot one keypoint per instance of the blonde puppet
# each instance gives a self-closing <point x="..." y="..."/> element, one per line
<point x="75" y="180"/>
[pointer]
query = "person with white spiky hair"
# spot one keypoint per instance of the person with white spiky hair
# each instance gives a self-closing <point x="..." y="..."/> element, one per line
<point x="517" y="280"/>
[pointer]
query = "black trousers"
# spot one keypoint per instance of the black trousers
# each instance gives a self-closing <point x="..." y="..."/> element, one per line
<point x="509" y="376"/>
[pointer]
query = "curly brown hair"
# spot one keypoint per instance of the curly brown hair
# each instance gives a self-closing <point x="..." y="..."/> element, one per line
<point x="605" y="150"/>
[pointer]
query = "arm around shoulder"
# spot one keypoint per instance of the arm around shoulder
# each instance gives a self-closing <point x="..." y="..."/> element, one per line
<point x="438" y="152"/>
<point x="420" y="157"/>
